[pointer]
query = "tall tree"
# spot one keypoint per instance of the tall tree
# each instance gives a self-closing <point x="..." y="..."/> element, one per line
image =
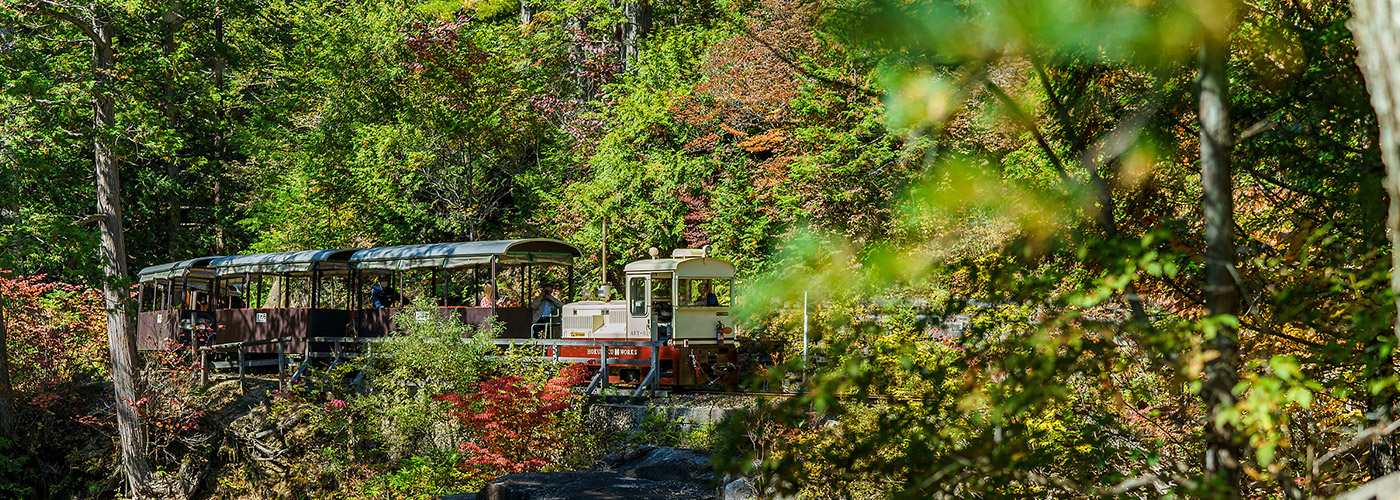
<point x="1377" y="31"/>
<point x="95" y="22"/>
<point x="171" y="22"/>
<point x="1222" y="461"/>
<point x="221" y="119"/>
<point x="109" y="207"/>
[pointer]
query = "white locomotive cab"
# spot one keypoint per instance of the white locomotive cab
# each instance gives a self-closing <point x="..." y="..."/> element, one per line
<point x="686" y="297"/>
<point x="640" y="324"/>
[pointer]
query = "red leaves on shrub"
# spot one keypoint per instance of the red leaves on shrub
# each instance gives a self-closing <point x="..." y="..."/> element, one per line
<point x="515" y="426"/>
<point x="56" y="331"/>
<point x="57" y="335"/>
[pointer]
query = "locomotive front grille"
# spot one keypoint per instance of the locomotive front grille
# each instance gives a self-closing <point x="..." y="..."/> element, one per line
<point x="581" y="323"/>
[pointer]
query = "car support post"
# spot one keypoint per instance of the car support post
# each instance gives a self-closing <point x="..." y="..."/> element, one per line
<point x="604" y="385"/>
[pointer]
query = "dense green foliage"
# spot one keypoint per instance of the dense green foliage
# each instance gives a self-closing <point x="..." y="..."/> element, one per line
<point x="320" y="124"/>
<point x="396" y="438"/>
<point x="995" y="207"/>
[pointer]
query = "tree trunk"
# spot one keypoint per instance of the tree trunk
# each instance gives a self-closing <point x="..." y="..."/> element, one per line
<point x="7" y="415"/>
<point x="171" y="21"/>
<point x="527" y="12"/>
<point x="1377" y="31"/>
<point x="634" y="30"/>
<point x="573" y="25"/>
<point x="1222" y="463"/>
<point x="219" y="237"/>
<point x="1380" y="406"/>
<point x="114" y="291"/>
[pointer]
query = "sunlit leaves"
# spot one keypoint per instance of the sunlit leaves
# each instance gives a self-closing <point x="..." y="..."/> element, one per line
<point x="56" y="331"/>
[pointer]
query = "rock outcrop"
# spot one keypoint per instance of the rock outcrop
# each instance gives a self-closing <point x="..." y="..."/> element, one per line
<point x="645" y="473"/>
<point x="589" y="485"/>
<point x="738" y="489"/>
<point x="667" y="464"/>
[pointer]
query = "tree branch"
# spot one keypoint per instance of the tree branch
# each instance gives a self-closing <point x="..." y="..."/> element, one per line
<point x="1361" y="438"/>
<point x="1275" y="181"/>
<point x="1057" y="106"/>
<point x="797" y="67"/>
<point x="1027" y="123"/>
<point x="48" y="8"/>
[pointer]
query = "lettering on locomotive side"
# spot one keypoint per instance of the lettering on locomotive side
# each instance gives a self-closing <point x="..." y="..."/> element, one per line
<point x="598" y="351"/>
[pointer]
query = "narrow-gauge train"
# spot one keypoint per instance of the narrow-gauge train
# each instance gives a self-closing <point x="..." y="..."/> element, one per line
<point x="682" y="301"/>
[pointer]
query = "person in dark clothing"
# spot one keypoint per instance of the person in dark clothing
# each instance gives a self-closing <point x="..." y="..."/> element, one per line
<point x="706" y="297"/>
<point x="382" y="294"/>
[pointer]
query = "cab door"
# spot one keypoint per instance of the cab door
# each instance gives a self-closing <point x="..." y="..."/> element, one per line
<point x="639" y="308"/>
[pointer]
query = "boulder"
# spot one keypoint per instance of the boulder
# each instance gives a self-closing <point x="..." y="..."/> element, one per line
<point x="1383" y="488"/>
<point x="588" y="485"/>
<point x="626" y="455"/>
<point x="668" y="464"/>
<point x="739" y="489"/>
<point x="643" y="473"/>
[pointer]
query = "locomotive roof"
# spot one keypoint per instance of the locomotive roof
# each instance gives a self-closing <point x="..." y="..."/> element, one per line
<point x="685" y="267"/>
<point x="192" y="267"/>
<point x="466" y="253"/>
<point x="282" y="262"/>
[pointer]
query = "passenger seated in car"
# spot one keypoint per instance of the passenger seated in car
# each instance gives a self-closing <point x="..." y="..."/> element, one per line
<point x="545" y="307"/>
<point x="382" y="294"/>
<point x="502" y="300"/>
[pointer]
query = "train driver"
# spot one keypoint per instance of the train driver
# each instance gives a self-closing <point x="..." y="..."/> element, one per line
<point x="705" y="297"/>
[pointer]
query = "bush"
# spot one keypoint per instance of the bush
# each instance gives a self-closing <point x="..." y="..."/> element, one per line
<point x="443" y="411"/>
<point x="13" y="471"/>
<point x="656" y="429"/>
<point x="56" y="332"/>
<point x="514" y="426"/>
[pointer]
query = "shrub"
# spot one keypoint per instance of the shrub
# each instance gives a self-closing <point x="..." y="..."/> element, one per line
<point x="172" y="403"/>
<point x="443" y="411"/>
<point x="429" y="355"/>
<point x="14" y="471"/>
<point x="56" y="332"/>
<point x="514" y="426"/>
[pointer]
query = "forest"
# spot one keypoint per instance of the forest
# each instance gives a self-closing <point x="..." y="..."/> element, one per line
<point x="1052" y="248"/>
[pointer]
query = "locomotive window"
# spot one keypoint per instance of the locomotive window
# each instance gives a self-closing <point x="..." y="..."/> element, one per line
<point x="661" y="289"/>
<point x="637" y="293"/>
<point x="705" y="292"/>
